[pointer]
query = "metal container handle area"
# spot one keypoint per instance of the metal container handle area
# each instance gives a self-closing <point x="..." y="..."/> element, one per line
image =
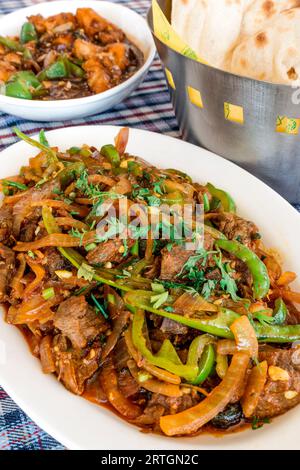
<point x="252" y="123"/>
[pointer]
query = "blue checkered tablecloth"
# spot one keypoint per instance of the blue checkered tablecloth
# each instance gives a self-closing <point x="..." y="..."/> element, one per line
<point x="148" y="108"/>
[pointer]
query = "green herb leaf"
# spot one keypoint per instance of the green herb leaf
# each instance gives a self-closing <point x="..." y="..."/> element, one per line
<point x="86" y="272"/>
<point x="208" y="287"/>
<point x="99" y="307"/>
<point x="157" y="287"/>
<point x="258" y="423"/>
<point x="48" y="293"/>
<point x="227" y="283"/>
<point x="158" y="187"/>
<point x="75" y="232"/>
<point x="159" y="300"/>
<point x="43" y="139"/>
<point x="14" y="184"/>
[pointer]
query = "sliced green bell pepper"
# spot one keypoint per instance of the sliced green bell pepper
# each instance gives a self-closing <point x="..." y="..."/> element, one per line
<point x="18" y="90"/>
<point x="111" y="153"/>
<point x="179" y="173"/>
<point x="280" y="312"/>
<point x="206" y="203"/>
<point x="167" y="351"/>
<point x="55" y="71"/>
<point x="176" y="197"/>
<point x="51" y="153"/>
<point x="28" y="33"/>
<point x="70" y="173"/>
<point x="217" y="325"/>
<point x="134" y="168"/>
<point x="22" y="85"/>
<point x="202" y="353"/>
<point x="135" y="249"/>
<point x="259" y="272"/>
<point x="15" y="46"/>
<point x="216" y="234"/>
<point x="188" y="372"/>
<point x="226" y="200"/>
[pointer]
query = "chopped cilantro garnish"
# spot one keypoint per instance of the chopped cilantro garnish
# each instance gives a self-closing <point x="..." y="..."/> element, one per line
<point x="99" y="307"/>
<point x="258" y="423"/>
<point x="169" y="309"/>
<point x="125" y="244"/>
<point x="159" y="299"/>
<point x="227" y="283"/>
<point x="78" y="234"/>
<point x="158" y="187"/>
<point x="86" y="272"/>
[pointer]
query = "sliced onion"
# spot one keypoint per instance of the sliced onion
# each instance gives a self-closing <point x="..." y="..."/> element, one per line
<point x="154" y="385"/>
<point x="245" y="336"/>
<point x="254" y="388"/>
<point x="188" y="304"/>
<point x="46" y="356"/>
<point x="192" y="419"/>
<point x="109" y="383"/>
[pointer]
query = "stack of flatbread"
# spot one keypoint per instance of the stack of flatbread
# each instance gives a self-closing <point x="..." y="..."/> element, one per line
<point x="254" y="38"/>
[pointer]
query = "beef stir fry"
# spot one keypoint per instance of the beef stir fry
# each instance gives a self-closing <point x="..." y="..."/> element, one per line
<point x="66" y="56"/>
<point x="175" y="341"/>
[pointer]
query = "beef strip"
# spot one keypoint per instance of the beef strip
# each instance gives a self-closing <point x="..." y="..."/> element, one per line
<point x="54" y="261"/>
<point x="77" y="320"/>
<point x="46" y="355"/>
<point x="127" y="384"/>
<point x="160" y="405"/>
<point x="293" y="316"/>
<point x="275" y="400"/>
<point x="7" y="266"/>
<point x="74" y="367"/>
<point x="121" y="355"/>
<point x="236" y="228"/>
<point x="173" y="327"/>
<point x="108" y="251"/>
<point x="173" y="260"/>
<point x="29" y="226"/>
<point x="6" y="223"/>
<point x="88" y="366"/>
<point x="23" y="207"/>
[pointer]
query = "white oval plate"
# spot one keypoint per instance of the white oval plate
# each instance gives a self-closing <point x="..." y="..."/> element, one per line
<point x="79" y="424"/>
<point x="134" y="26"/>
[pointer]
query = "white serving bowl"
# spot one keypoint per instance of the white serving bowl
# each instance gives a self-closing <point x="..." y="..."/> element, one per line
<point x="133" y="25"/>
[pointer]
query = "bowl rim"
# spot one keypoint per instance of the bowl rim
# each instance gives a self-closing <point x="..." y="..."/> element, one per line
<point x="74" y="102"/>
<point x="207" y="66"/>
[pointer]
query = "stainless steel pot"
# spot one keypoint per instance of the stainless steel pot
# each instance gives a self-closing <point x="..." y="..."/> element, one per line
<point x="253" y="123"/>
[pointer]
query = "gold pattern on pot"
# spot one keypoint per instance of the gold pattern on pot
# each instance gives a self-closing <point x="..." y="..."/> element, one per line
<point x="234" y="113"/>
<point x="166" y="34"/>
<point x="170" y="78"/>
<point x="195" y="96"/>
<point x="287" y="125"/>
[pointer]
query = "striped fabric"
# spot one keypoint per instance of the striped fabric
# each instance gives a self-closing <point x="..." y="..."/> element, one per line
<point x="149" y="108"/>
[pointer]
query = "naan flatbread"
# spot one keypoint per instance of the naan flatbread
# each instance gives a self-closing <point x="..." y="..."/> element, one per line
<point x="259" y="13"/>
<point x="255" y="38"/>
<point x="272" y="54"/>
<point x="210" y="27"/>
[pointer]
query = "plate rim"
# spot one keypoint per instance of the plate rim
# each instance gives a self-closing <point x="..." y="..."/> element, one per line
<point x="278" y="199"/>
